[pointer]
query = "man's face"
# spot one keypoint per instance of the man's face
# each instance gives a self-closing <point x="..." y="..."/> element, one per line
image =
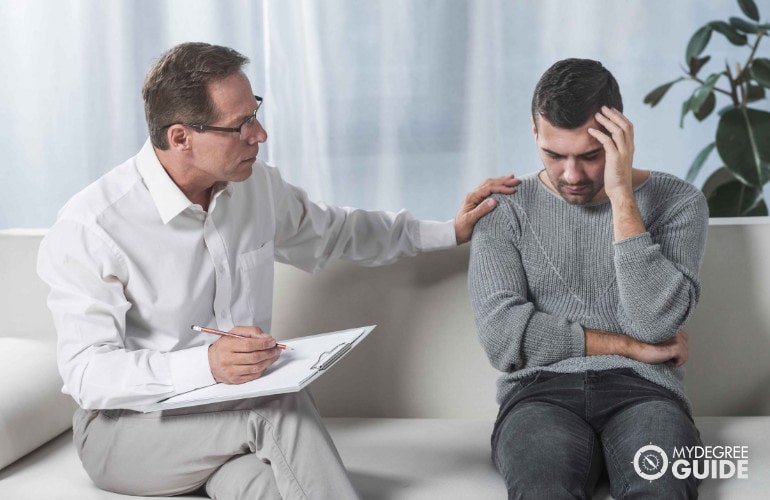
<point x="223" y="156"/>
<point x="573" y="160"/>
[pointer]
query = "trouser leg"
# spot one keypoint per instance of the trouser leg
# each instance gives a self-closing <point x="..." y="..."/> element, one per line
<point x="177" y="451"/>
<point x="651" y="426"/>
<point x="245" y="476"/>
<point x="544" y="451"/>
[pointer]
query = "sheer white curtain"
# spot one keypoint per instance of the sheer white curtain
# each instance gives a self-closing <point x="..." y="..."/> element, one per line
<point x="378" y="104"/>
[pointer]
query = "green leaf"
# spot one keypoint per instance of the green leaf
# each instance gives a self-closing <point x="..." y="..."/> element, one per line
<point x="697" y="43"/>
<point x="743" y="142"/>
<point x="749" y="8"/>
<point x="728" y="31"/>
<point x="696" y="63"/>
<point x="760" y="71"/>
<point x="701" y="94"/>
<point x="694" y="170"/>
<point x="705" y="109"/>
<point x="744" y="26"/>
<point x="656" y="95"/>
<point x="725" y="109"/>
<point x="736" y="199"/>
<point x="755" y="93"/>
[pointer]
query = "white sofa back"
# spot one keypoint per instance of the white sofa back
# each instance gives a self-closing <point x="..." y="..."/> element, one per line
<point x="423" y="359"/>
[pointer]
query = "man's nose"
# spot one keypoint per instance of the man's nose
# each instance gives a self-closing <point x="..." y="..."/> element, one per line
<point x="256" y="133"/>
<point x="573" y="174"/>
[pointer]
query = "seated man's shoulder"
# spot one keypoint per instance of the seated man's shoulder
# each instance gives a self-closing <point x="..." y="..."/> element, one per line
<point x="525" y="192"/>
<point x="98" y="197"/>
<point x="511" y="208"/>
<point x="663" y="181"/>
<point x="669" y="195"/>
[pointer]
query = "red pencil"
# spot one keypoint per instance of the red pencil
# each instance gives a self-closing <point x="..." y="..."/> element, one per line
<point x="229" y="334"/>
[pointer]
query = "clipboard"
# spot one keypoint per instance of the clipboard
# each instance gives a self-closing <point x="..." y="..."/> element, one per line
<point x="295" y="369"/>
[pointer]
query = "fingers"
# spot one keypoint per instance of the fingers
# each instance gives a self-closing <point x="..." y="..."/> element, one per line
<point x="248" y="331"/>
<point x="679" y="345"/>
<point x="505" y="184"/>
<point x="477" y="204"/>
<point x="235" y="360"/>
<point x="620" y="129"/>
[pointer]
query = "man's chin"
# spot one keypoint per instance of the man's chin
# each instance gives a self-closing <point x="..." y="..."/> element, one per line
<point x="577" y="199"/>
<point x="243" y="173"/>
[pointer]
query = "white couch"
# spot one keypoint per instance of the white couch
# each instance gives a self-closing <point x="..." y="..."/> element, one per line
<point x="411" y="409"/>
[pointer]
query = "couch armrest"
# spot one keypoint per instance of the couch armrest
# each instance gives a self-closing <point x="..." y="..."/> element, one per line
<point x="33" y="409"/>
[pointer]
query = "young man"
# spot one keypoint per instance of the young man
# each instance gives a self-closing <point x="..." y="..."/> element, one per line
<point x="186" y="232"/>
<point x="581" y="283"/>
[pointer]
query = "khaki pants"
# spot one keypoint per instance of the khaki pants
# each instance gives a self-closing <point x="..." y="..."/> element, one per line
<point x="270" y="447"/>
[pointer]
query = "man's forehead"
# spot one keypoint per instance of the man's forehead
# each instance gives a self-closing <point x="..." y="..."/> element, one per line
<point x="564" y="141"/>
<point x="232" y="96"/>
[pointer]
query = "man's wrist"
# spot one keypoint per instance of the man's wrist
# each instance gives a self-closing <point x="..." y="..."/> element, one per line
<point x="600" y="342"/>
<point x="627" y="220"/>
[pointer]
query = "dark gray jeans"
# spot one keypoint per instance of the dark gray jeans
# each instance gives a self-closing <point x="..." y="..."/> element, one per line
<point x="559" y="433"/>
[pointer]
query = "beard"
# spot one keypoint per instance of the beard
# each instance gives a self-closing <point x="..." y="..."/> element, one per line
<point x="578" y="194"/>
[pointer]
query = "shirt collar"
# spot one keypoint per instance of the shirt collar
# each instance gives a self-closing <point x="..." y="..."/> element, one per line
<point x="168" y="198"/>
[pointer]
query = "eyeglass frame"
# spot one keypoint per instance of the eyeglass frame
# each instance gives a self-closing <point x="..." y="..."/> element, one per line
<point x="202" y="128"/>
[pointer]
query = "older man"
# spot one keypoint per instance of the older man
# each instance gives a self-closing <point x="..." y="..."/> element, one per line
<point x="186" y="232"/>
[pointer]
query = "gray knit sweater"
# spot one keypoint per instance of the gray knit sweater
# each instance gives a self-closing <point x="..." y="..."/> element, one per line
<point x="541" y="269"/>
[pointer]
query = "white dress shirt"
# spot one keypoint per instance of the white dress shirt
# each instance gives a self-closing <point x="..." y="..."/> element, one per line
<point x="132" y="263"/>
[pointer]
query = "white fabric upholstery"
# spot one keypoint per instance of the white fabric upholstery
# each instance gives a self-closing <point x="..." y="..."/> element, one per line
<point x="420" y="388"/>
<point x="401" y="459"/>
<point x="32" y="408"/>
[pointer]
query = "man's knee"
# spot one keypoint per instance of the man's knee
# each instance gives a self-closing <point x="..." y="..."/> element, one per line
<point x="544" y="451"/>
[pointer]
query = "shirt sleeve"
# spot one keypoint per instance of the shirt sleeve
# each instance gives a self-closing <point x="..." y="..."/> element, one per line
<point x="310" y="235"/>
<point x="657" y="272"/>
<point x="513" y="334"/>
<point x="87" y="278"/>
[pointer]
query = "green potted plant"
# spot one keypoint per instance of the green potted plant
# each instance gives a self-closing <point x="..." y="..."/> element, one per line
<point x="742" y="137"/>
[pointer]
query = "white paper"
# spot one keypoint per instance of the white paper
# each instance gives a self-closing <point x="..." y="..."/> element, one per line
<point x="293" y="371"/>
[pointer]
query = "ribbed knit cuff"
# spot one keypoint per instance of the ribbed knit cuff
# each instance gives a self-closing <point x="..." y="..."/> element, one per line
<point x="633" y="244"/>
<point x="578" y="340"/>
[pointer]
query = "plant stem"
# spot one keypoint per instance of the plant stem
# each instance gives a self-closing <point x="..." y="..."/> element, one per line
<point x="751" y="56"/>
<point x="733" y="92"/>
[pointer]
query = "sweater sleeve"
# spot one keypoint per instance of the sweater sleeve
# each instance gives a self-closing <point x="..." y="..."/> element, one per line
<point x="657" y="272"/>
<point x="511" y="331"/>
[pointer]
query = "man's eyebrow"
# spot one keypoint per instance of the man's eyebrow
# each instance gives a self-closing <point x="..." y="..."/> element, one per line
<point x="552" y="153"/>
<point x="586" y="153"/>
<point x="592" y="151"/>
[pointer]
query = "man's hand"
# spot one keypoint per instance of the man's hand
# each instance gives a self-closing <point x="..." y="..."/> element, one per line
<point x="236" y="360"/>
<point x="474" y="207"/>
<point x="619" y="151"/>
<point x="672" y="352"/>
<point x="618" y="171"/>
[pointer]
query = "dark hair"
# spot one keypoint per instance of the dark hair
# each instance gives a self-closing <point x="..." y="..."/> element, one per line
<point x="573" y="90"/>
<point x="176" y="87"/>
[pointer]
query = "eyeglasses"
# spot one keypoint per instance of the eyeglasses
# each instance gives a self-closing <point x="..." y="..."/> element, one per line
<point x="242" y="129"/>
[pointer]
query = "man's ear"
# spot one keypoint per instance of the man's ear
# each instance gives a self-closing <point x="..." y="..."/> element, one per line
<point x="534" y="126"/>
<point x="178" y="137"/>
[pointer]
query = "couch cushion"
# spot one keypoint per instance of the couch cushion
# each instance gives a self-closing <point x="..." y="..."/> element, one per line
<point x="32" y="408"/>
<point x="426" y="459"/>
<point x="402" y="459"/>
